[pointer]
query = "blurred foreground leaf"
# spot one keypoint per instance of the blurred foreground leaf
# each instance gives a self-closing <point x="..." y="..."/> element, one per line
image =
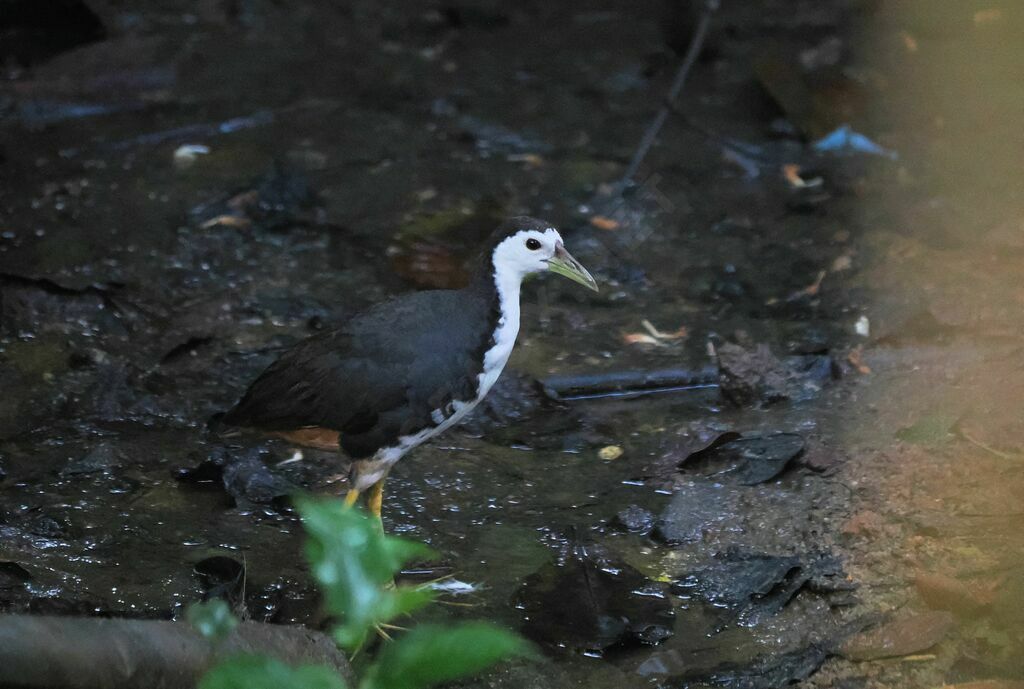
<point x="354" y="564"/>
<point x="257" y="672"/>
<point x="212" y="618"/>
<point x="430" y="655"/>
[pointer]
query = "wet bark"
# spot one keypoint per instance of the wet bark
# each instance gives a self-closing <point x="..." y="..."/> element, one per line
<point x="38" y="652"/>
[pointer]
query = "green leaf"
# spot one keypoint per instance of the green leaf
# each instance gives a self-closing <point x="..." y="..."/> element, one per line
<point x="934" y="428"/>
<point x="430" y="655"/>
<point x="355" y="564"/>
<point x="257" y="672"/>
<point x="213" y="619"/>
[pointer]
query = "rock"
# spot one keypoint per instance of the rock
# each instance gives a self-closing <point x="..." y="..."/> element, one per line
<point x="13" y="575"/>
<point x="819" y="458"/>
<point x="965" y="598"/>
<point x="764" y="672"/>
<point x="756" y="377"/>
<point x="244" y="476"/>
<point x="749" y="461"/>
<point x="101" y="458"/>
<point x="685" y="446"/>
<point x="634" y="519"/>
<point x="754" y="586"/>
<point x="249" y="480"/>
<point x="905" y="634"/>
<point x="694" y="507"/>
<point x="750" y="376"/>
<point x="589" y="602"/>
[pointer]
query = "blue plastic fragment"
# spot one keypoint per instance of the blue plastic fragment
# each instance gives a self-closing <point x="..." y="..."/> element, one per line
<point x="844" y="139"/>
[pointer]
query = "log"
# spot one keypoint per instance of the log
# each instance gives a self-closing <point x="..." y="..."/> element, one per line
<point x="42" y="652"/>
<point x="629" y="383"/>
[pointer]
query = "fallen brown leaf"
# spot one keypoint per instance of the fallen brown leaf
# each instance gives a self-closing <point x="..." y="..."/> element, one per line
<point x="987" y="16"/>
<point x="678" y="334"/>
<point x="791" y="173"/>
<point x="604" y="223"/>
<point x="235" y="221"/>
<point x="641" y="338"/>
<point x="909" y="42"/>
<point x="854" y="357"/>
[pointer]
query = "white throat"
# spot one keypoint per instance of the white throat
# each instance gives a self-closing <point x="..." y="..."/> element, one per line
<point x="507" y="279"/>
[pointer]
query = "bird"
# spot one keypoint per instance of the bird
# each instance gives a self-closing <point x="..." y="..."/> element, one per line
<point x="407" y="369"/>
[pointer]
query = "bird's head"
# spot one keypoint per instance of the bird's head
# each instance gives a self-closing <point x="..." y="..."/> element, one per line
<point x="523" y="246"/>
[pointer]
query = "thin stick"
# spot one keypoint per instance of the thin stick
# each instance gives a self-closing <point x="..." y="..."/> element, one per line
<point x="692" y="52"/>
<point x="988" y="448"/>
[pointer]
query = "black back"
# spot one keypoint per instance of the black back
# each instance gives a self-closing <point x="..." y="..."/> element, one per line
<point x="380" y="375"/>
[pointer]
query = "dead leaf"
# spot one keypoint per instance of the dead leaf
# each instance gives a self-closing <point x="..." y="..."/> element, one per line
<point x="245" y="200"/>
<point x="904" y="635"/>
<point x="530" y="159"/>
<point x="604" y="223"/>
<point x="987" y="16"/>
<point x="678" y="334"/>
<point x="909" y="42"/>
<point x="235" y="221"/>
<point x="791" y="173"/>
<point x="968" y="598"/>
<point x="653" y="336"/>
<point x="844" y="262"/>
<point x="641" y="338"/>
<point x="810" y="291"/>
<point x="854" y="357"/>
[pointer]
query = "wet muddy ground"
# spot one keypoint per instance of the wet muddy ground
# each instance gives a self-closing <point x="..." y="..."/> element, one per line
<point x="840" y="503"/>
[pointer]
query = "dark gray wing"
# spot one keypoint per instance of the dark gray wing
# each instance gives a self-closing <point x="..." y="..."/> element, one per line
<point x="377" y="377"/>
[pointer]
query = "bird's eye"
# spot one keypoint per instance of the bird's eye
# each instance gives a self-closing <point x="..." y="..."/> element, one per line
<point x="532" y="244"/>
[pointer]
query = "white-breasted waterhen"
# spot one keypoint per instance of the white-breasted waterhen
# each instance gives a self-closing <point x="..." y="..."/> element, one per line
<point x="407" y="369"/>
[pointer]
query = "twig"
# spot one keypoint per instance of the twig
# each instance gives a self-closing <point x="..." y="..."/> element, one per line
<point x="988" y="448"/>
<point x="696" y="44"/>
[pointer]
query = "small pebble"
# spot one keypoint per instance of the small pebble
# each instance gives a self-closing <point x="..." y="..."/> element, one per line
<point x="610" y="452"/>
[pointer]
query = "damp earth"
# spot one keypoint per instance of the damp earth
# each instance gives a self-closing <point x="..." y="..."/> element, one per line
<point x="782" y="444"/>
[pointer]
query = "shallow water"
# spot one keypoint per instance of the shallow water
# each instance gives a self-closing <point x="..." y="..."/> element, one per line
<point x="129" y="318"/>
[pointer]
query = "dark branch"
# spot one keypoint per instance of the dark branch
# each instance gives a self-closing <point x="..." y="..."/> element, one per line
<point x="696" y="44"/>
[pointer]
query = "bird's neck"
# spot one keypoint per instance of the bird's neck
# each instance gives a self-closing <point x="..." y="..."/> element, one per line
<point x="507" y="283"/>
<point x="502" y="285"/>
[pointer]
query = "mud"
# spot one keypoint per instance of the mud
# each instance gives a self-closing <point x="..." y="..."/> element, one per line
<point x="141" y="290"/>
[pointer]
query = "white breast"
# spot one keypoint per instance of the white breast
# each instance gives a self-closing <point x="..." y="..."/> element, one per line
<point x="505" y="336"/>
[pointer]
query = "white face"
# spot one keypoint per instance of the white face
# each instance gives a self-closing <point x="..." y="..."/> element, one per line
<point x="525" y="252"/>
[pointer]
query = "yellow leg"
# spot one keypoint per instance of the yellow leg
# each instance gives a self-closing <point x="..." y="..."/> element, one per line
<point x="376" y="499"/>
<point x="351" y="497"/>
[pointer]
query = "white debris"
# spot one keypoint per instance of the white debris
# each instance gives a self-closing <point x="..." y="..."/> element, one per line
<point x="454" y="587"/>
<point x="296" y="457"/>
<point x="862" y="326"/>
<point x="186" y="154"/>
